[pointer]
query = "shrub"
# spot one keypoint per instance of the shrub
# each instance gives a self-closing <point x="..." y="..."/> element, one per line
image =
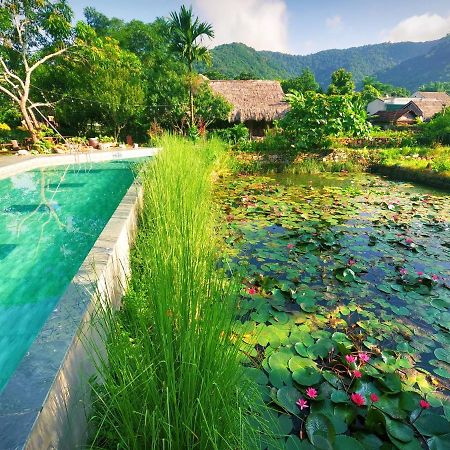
<point x="234" y="135"/>
<point x="314" y="118"/>
<point x="4" y="128"/>
<point x="437" y="130"/>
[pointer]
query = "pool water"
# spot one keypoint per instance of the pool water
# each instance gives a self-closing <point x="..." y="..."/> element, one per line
<point x="49" y="221"/>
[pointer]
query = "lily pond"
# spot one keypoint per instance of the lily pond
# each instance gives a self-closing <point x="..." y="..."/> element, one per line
<point x="344" y="307"/>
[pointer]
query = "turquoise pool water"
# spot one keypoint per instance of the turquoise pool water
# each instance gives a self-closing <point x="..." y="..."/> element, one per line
<point x="49" y="220"/>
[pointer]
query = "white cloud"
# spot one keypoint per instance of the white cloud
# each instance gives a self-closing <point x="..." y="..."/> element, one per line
<point x="334" y="23"/>
<point x="261" y="24"/>
<point x="420" y="28"/>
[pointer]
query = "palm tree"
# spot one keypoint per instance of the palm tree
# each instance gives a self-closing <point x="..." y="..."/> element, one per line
<point x="187" y="34"/>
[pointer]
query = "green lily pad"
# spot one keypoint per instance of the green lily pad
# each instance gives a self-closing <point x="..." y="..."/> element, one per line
<point x="307" y="376"/>
<point x="320" y="431"/>
<point x="347" y="443"/>
<point x="287" y="397"/>
<point x="442" y="355"/>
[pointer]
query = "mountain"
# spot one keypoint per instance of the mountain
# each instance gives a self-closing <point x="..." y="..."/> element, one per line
<point x="382" y="60"/>
<point x="431" y="66"/>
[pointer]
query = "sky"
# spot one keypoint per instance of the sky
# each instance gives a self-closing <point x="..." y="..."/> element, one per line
<point x="297" y="26"/>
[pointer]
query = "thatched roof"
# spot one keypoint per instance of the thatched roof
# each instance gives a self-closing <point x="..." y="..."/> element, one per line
<point x="440" y="96"/>
<point x="258" y="100"/>
<point x="427" y="107"/>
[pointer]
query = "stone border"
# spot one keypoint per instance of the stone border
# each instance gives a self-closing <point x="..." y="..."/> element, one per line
<point x="12" y="165"/>
<point x="45" y="403"/>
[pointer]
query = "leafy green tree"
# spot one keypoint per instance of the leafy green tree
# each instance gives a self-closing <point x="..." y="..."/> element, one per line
<point x="437" y="130"/>
<point x="314" y="118"/>
<point x="32" y="33"/>
<point x="215" y="75"/>
<point x="246" y="76"/>
<point x="303" y="83"/>
<point x="370" y="93"/>
<point x="100" y="83"/>
<point x="341" y="83"/>
<point x="186" y="35"/>
<point x="385" y="89"/>
<point x="210" y="107"/>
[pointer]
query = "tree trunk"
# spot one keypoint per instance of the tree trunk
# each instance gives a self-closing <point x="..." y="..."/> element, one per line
<point x="28" y="120"/>
<point x="191" y="104"/>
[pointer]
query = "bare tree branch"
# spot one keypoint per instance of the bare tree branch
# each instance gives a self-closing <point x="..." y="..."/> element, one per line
<point x="9" y="93"/>
<point x="11" y="74"/>
<point x="46" y="58"/>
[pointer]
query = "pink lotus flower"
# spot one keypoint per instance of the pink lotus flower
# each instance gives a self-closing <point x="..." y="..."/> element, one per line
<point x="403" y="271"/>
<point x="358" y="399"/>
<point x="351" y="262"/>
<point x="251" y="291"/>
<point x="374" y="398"/>
<point x="357" y="374"/>
<point x="350" y="359"/>
<point x="420" y="273"/>
<point x="408" y="240"/>
<point x="424" y="404"/>
<point x="434" y="277"/>
<point x="311" y="392"/>
<point x="290" y="246"/>
<point x="302" y="404"/>
<point x="364" y="357"/>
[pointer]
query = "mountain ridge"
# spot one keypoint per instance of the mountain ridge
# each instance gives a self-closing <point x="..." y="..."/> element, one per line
<point x="378" y="60"/>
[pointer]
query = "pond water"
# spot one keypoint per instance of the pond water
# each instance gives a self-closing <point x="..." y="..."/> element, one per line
<point x="322" y="257"/>
<point x="49" y="220"/>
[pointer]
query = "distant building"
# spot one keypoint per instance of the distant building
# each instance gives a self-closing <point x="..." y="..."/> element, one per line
<point x="406" y="111"/>
<point x="256" y="103"/>
<point x="387" y="104"/>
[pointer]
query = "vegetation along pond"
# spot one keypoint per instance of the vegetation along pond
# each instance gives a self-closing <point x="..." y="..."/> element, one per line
<point x="346" y="291"/>
<point x="49" y="220"/>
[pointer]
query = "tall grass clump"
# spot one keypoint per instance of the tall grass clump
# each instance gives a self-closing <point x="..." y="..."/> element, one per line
<point x="171" y="377"/>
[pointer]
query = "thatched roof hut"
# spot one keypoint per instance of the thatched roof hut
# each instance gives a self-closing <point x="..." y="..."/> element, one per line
<point x="254" y="101"/>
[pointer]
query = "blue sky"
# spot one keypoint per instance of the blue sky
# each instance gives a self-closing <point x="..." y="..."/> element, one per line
<point x="298" y="26"/>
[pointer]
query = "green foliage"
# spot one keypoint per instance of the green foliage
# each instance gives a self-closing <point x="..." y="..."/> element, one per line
<point x="436" y="86"/>
<point x="370" y="83"/>
<point x="234" y="135"/>
<point x="100" y="83"/>
<point x="314" y="118"/>
<point x="172" y="370"/>
<point x="210" y="107"/>
<point x="437" y="130"/>
<point x="215" y="75"/>
<point x="341" y="83"/>
<point x="303" y="83"/>
<point x="246" y="76"/>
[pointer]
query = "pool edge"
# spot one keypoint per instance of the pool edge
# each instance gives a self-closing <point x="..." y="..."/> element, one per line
<point x="45" y="401"/>
<point x="15" y="166"/>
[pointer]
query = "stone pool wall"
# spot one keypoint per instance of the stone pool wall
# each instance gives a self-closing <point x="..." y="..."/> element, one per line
<point x="46" y="401"/>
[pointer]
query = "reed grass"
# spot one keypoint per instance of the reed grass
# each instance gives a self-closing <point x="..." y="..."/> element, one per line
<point x="172" y="376"/>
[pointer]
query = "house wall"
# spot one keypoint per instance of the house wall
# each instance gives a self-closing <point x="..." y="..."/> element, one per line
<point x="374" y="106"/>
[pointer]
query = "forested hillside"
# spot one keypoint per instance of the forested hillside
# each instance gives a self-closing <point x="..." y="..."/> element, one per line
<point x="383" y="60"/>
<point x="426" y="68"/>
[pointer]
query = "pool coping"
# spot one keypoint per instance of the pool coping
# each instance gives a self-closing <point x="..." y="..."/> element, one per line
<point x="46" y="400"/>
<point x="12" y="165"/>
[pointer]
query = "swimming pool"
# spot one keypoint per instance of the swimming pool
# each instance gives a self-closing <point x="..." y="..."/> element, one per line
<point x="49" y="220"/>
